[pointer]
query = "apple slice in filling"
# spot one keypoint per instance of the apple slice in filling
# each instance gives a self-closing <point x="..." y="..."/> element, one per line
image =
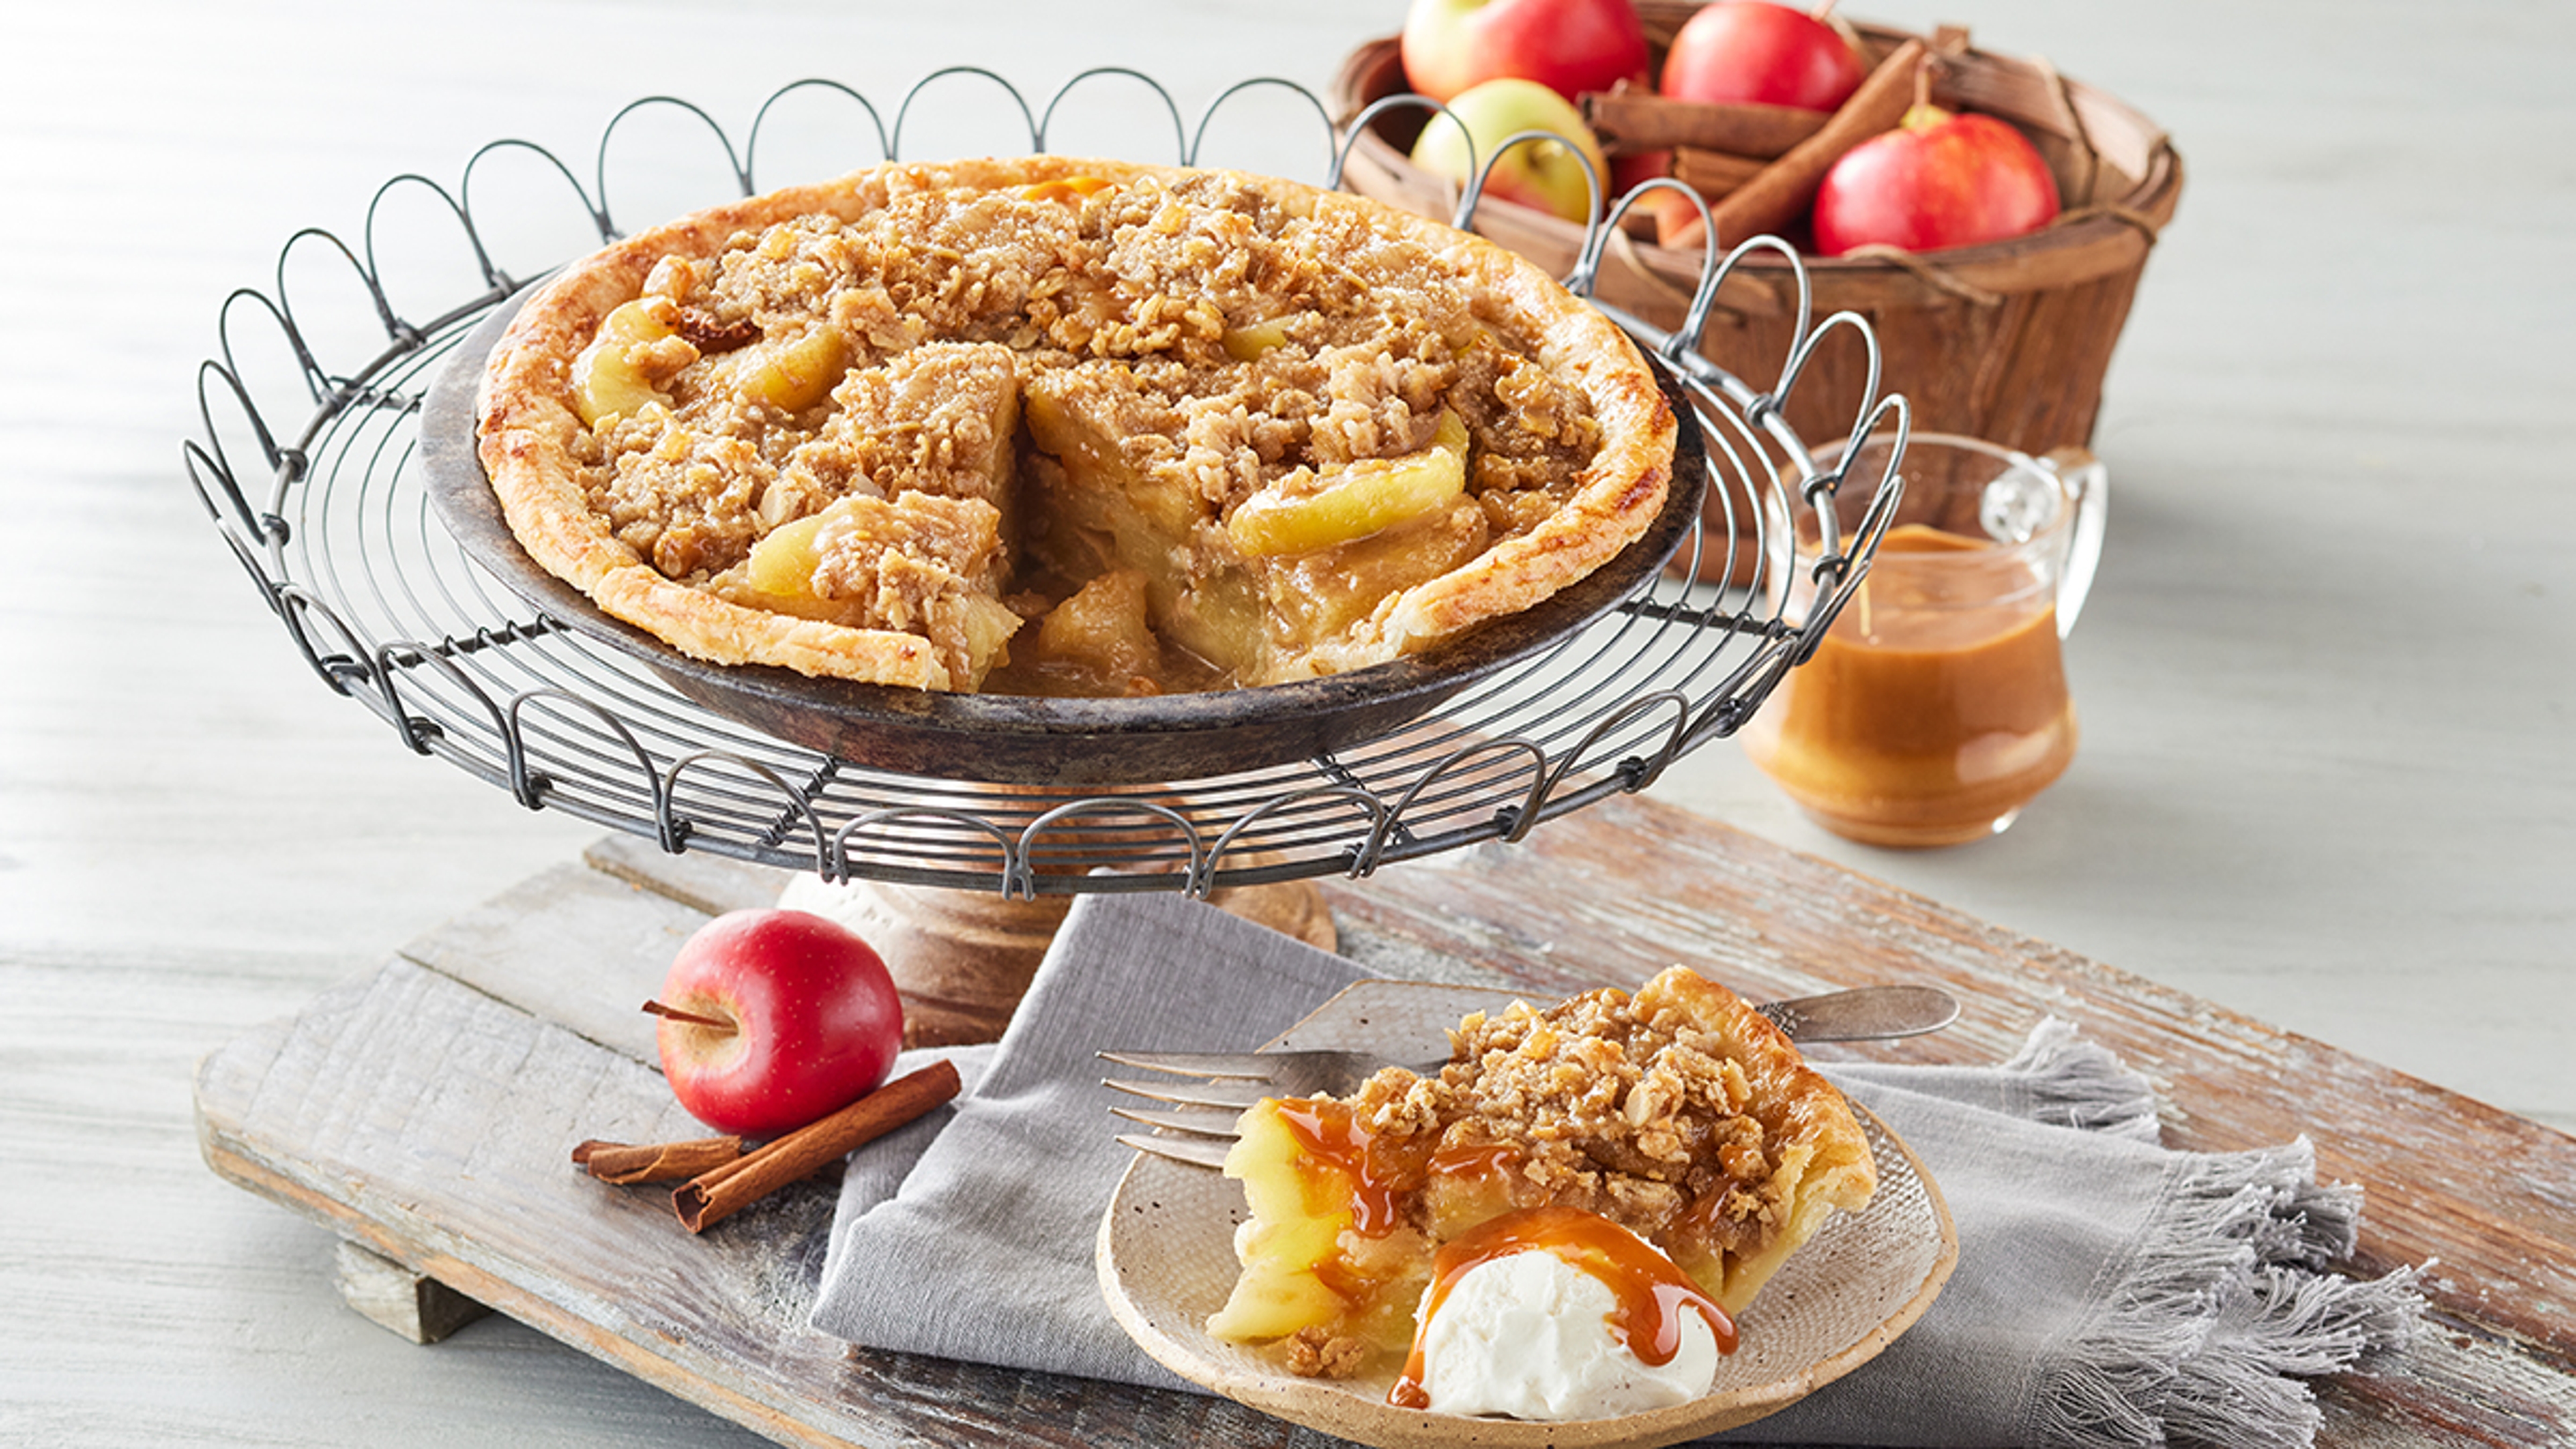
<point x="1132" y="515"/>
<point x="916" y="565"/>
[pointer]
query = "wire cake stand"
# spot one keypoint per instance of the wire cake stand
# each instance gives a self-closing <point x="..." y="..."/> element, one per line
<point x="310" y="467"/>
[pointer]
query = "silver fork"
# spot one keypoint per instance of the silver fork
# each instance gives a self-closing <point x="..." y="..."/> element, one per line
<point x="1208" y="1110"/>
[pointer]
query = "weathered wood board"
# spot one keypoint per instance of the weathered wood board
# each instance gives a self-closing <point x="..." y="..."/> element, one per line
<point x="425" y="1112"/>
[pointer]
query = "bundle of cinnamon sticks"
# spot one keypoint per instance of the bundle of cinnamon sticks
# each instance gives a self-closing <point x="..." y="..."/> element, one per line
<point x="1758" y="167"/>
<point x="720" y="1176"/>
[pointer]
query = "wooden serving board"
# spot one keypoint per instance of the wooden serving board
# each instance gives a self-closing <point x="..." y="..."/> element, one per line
<point x="425" y="1112"/>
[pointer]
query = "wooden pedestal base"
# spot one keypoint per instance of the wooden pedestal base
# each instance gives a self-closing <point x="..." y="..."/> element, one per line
<point x="963" y="959"/>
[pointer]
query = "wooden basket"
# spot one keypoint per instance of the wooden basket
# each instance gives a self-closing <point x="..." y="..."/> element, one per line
<point x="2007" y="341"/>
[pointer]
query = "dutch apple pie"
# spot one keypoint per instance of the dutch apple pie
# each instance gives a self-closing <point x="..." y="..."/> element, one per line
<point x="1679" y="1113"/>
<point x="1052" y="426"/>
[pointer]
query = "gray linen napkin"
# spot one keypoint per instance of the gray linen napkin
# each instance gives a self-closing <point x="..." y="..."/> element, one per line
<point x="2109" y="1292"/>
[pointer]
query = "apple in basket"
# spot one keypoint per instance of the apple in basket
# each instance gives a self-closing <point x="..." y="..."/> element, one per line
<point x="1570" y="46"/>
<point x="774" y="1018"/>
<point x="1544" y="173"/>
<point x="1940" y="179"/>
<point x="1752" y="52"/>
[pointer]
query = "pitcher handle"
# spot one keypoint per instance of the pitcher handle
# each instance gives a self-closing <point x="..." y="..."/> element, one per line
<point x="2089" y="482"/>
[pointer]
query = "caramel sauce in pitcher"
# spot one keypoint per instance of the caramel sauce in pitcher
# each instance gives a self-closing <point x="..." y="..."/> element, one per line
<point x="1936" y="706"/>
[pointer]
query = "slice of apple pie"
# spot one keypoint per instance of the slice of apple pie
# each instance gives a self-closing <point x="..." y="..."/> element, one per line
<point x="1679" y="1113"/>
<point x="1066" y="427"/>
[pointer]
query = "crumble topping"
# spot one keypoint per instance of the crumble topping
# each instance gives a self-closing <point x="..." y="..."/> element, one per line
<point x="1640" y="1116"/>
<point x="685" y="494"/>
<point x="1313" y="1353"/>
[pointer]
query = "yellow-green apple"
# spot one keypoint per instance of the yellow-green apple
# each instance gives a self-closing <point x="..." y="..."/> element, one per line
<point x="1569" y="46"/>
<point x="1752" y="52"/>
<point x="1544" y="173"/>
<point x="1938" y="180"/>
<point x="772" y="1019"/>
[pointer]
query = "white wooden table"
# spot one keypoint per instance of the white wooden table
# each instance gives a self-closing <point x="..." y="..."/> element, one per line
<point x="2326" y="676"/>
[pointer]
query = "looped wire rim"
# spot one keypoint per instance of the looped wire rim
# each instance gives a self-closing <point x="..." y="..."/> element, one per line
<point x="332" y="528"/>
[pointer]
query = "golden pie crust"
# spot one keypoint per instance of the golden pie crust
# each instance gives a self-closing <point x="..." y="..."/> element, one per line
<point x="1035" y="398"/>
<point x="1679" y="1113"/>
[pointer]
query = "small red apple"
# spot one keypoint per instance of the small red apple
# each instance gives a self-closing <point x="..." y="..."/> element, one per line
<point x="1669" y="212"/>
<point x="1635" y="169"/>
<point x="772" y="1019"/>
<point x="1937" y="180"/>
<point x="1569" y="46"/>
<point x="1752" y="52"/>
<point x="1541" y="173"/>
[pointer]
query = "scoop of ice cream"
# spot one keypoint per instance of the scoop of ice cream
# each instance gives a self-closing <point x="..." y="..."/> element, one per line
<point x="1533" y="1336"/>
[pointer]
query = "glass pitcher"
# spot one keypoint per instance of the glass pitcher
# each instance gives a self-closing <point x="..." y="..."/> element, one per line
<point x="1936" y="705"/>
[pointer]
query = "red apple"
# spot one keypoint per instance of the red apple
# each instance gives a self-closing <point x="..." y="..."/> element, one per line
<point x="1544" y="174"/>
<point x="772" y="1019"/>
<point x="1751" y="52"/>
<point x="1569" y="46"/>
<point x="1937" y="180"/>
<point x="1669" y="212"/>
<point x="1635" y="169"/>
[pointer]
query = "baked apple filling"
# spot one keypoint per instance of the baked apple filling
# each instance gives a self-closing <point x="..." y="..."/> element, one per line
<point x="1067" y="428"/>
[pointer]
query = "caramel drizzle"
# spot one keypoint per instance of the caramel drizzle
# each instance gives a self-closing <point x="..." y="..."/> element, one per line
<point x="1380" y="1172"/>
<point x="1331" y="1137"/>
<point x="1651" y="1294"/>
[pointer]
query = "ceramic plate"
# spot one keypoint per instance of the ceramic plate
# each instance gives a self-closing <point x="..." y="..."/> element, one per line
<point x="1166" y="1260"/>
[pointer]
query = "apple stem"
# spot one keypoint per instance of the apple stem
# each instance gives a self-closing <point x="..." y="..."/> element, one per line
<point x="1923" y="82"/>
<point x="691" y="1017"/>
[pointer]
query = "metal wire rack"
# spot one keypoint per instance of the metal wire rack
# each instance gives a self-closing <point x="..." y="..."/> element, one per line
<point x="308" y="467"/>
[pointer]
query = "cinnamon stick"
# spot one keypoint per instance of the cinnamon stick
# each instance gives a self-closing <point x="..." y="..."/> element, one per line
<point x="1787" y="187"/>
<point x="1626" y="120"/>
<point x="1715" y="174"/>
<point x="712" y="1196"/>
<point x="621" y="1162"/>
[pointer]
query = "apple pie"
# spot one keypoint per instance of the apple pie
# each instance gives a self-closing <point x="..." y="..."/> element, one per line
<point x="1074" y="427"/>
<point x="1679" y="1113"/>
